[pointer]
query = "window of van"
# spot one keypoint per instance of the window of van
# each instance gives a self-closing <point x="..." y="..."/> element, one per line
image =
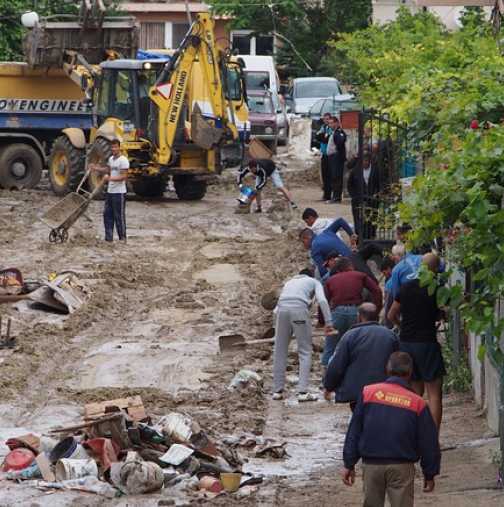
<point x="257" y="80"/>
<point x="310" y="89"/>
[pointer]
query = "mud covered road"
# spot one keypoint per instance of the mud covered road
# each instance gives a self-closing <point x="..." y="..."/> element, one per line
<point x="189" y="273"/>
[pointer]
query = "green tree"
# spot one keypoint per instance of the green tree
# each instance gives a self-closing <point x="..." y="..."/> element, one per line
<point x="308" y="25"/>
<point x="439" y="82"/>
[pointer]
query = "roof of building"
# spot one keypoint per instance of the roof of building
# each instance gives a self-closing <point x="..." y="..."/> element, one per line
<point x="164" y="7"/>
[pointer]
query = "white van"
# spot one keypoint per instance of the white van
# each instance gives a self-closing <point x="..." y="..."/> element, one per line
<point x="260" y="74"/>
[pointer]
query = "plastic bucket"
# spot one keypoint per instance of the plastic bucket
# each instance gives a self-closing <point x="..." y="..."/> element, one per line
<point x="230" y="481"/>
<point x="246" y="195"/>
<point x="75" y="469"/>
<point x="68" y="448"/>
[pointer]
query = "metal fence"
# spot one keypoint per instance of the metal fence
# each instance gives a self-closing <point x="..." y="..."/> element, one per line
<point x="384" y="146"/>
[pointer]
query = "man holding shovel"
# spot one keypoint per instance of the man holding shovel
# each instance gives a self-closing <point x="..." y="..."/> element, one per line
<point x="293" y="317"/>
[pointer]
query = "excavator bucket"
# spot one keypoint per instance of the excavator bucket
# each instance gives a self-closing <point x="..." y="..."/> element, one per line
<point x="46" y="44"/>
<point x="202" y="133"/>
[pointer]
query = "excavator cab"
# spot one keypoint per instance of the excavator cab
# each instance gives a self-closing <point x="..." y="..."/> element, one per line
<point x="123" y="94"/>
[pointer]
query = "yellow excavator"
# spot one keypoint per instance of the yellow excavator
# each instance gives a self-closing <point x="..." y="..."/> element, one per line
<point x="182" y="116"/>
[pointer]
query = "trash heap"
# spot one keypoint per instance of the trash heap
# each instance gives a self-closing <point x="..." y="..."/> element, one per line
<point x="117" y="450"/>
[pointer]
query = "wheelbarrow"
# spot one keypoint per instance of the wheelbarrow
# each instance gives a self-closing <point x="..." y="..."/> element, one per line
<point x="66" y="212"/>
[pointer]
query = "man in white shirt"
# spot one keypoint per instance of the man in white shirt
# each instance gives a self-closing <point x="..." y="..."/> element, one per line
<point x="116" y="174"/>
<point x="293" y="317"/>
<point x="317" y="224"/>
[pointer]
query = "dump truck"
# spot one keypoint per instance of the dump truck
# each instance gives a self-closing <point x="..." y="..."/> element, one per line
<point x="35" y="105"/>
<point x="175" y="117"/>
<point x="38" y="100"/>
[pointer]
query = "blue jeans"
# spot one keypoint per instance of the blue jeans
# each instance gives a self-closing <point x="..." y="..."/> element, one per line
<point x="343" y="318"/>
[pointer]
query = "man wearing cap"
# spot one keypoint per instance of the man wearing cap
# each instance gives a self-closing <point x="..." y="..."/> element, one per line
<point x="263" y="169"/>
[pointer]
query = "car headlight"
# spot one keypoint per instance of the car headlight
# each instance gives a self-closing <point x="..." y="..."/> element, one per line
<point x="281" y="132"/>
<point x="268" y="130"/>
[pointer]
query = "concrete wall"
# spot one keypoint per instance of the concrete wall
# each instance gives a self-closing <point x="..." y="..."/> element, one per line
<point x="385" y="10"/>
<point x="493" y="399"/>
<point x="488" y="379"/>
<point x="477" y="368"/>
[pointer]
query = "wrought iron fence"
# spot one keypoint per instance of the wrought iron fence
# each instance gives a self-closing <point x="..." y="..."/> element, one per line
<point x="385" y="156"/>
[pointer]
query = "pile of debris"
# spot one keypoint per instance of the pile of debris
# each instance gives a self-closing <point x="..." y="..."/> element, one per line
<point x="61" y="292"/>
<point x="117" y="450"/>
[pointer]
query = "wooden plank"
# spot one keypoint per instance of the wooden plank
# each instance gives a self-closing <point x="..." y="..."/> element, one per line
<point x="132" y="405"/>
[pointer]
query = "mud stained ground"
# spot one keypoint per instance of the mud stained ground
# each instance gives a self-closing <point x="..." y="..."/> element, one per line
<point x="191" y="271"/>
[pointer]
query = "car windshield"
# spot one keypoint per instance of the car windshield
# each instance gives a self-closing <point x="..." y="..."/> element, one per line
<point x="257" y="80"/>
<point x="260" y="105"/>
<point x="310" y="89"/>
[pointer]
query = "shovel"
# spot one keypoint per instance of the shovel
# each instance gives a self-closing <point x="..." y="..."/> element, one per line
<point x="227" y="342"/>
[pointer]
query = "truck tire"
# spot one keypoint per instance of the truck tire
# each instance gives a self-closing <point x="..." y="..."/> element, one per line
<point x="99" y="153"/>
<point x="149" y="187"/>
<point x="66" y="166"/>
<point x="188" y="188"/>
<point x="20" y="167"/>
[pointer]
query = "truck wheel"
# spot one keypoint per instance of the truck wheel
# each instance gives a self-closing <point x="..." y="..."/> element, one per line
<point x="20" y="167"/>
<point x="66" y="166"/>
<point x="189" y="189"/>
<point x="149" y="187"/>
<point x="99" y="153"/>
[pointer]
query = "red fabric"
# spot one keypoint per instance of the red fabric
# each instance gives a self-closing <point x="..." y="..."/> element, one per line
<point x="103" y="450"/>
<point x="393" y="395"/>
<point x="346" y="289"/>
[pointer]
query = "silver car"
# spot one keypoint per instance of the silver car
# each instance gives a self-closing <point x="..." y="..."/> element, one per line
<point x="305" y="91"/>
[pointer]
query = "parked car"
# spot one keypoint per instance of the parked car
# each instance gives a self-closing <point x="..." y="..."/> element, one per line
<point x="305" y="91"/>
<point x="262" y="117"/>
<point x="332" y="105"/>
<point x="261" y="75"/>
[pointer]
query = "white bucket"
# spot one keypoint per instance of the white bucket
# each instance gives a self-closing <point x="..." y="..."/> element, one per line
<point x="75" y="469"/>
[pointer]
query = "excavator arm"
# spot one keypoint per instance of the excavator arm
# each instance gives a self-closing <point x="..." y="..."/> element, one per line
<point x="170" y="89"/>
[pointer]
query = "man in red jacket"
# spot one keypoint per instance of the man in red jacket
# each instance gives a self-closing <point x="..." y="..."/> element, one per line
<point x="391" y="429"/>
<point x="344" y="292"/>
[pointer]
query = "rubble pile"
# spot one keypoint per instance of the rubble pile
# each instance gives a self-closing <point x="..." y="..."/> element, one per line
<point x="118" y="450"/>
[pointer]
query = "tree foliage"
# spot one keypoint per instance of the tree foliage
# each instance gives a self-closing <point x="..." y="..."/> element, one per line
<point x="440" y="82"/>
<point x="307" y="24"/>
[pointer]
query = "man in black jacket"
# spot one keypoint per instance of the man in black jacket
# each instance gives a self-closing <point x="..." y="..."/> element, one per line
<point x="363" y="187"/>
<point x="336" y="154"/>
<point x="391" y="429"/>
<point x="360" y="357"/>
<point x="262" y="169"/>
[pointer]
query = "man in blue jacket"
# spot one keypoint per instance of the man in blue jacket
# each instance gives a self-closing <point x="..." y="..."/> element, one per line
<point x="391" y="429"/>
<point x="360" y="357"/>
<point x="326" y="242"/>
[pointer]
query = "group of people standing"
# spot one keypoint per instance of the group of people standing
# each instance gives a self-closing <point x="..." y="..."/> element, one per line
<point x="363" y="181"/>
<point x="379" y="362"/>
